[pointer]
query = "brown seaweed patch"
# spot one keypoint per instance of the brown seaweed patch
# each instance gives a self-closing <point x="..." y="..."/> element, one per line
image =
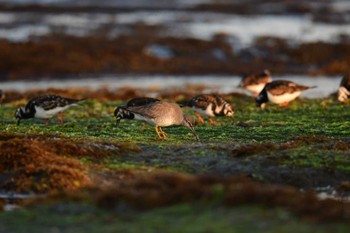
<point x="78" y="148"/>
<point x="30" y="166"/>
<point x="340" y="145"/>
<point x="310" y="139"/>
<point x="145" y="190"/>
<point x="162" y="189"/>
<point x="315" y="140"/>
<point x="306" y="205"/>
<point x="155" y="190"/>
<point x="344" y="186"/>
<point x="251" y="149"/>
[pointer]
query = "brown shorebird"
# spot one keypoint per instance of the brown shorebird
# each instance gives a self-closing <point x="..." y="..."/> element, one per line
<point x="256" y="82"/>
<point x="280" y="92"/>
<point x="159" y="113"/>
<point x="210" y="105"/>
<point x="344" y="88"/>
<point x="45" y="107"/>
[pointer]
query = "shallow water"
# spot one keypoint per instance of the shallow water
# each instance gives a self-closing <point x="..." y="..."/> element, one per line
<point x="202" y="25"/>
<point x="326" y="85"/>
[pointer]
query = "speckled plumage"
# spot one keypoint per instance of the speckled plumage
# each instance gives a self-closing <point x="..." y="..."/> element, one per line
<point x="256" y="82"/>
<point x="45" y="107"/>
<point x="211" y="105"/>
<point x="280" y="92"/>
<point x="344" y="88"/>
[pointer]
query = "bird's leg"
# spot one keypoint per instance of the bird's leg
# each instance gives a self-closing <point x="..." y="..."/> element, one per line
<point x="163" y="133"/>
<point x="60" y="116"/>
<point x="47" y="122"/>
<point x="142" y="128"/>
<point x="158" y="133"/>
<point x="284" y="104"/>
<point x="199" y="117"/>
<point x="212" y="122"/>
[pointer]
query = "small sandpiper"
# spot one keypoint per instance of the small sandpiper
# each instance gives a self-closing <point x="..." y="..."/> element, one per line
<point x="45" y="107"/>
<point x="344" y="88"/>
<point x="256" y="82"/>
<point x="210" y="105"/>
<point x="158" y="113"/>
<point x="280" y="92"/>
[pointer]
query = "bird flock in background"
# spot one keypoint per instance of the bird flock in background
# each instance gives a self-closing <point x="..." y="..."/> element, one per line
<point x="162" y="113"/>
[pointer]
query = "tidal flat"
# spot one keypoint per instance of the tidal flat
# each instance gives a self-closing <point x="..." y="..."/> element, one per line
<point x="284" y="168"/>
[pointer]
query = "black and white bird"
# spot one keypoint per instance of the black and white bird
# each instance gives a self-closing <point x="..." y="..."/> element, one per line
<point x="280" y="92"/>
<point x="210" y="105"/>
<point x="158" y="113"/>
<point x="45" y="107"/>
<point x="256" y="82"/>
<point x="344" y="88"/>
<point x="139" y="101"/>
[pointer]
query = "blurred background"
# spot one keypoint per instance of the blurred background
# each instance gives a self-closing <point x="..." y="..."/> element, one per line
<point x="45" y="43"/>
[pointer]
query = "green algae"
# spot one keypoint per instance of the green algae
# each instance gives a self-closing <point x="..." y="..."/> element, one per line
<point x="195" y="217"/>
<point x="94" y="120"/>
<point x="308" y="148"/>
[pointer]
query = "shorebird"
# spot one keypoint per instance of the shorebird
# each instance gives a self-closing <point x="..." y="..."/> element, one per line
<point x="139" y="101"/>
<point x="158" y="113"/>
<point x="344" y="88"/>
<point x="256" y="82"/>
<point x="210" y="105"/>
<point x="280" y="92"/>
<point x="45" y="107"/>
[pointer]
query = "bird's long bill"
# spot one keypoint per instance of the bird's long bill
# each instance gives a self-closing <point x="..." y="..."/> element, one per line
<point x="190" y="126"/>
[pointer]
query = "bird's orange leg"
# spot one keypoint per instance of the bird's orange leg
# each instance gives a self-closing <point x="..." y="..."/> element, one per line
<point x="60" y="116"/>
<point x="158" y="132"/>
<point x="47" y="122"/>
<point x="199" y="117"/>
<point x="212" y="122"/>
<point x="284" y="104"/>
<point x="142" y="128"/>
<point x="163" y="133"/>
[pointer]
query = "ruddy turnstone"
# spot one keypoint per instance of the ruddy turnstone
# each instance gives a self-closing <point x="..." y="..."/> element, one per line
<point x="344" y="88"/>
<point x="210" y="105"/>
<point x="280" y="92"/>
<point x="256" y="82"/>
<point x="158" y="113"/>
<point x="45" y="107"/>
